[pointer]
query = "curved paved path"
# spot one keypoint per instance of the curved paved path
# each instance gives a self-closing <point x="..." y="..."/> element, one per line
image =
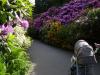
<point x="51" y="60"/>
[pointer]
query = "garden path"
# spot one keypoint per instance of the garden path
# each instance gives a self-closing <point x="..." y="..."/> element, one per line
<point x="51" y="60"/>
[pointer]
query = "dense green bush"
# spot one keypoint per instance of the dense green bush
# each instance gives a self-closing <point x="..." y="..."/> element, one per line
<point x="8" y="8"/>
<point x="90" y="25"/>
<point x="43" y="5"/>
<point x="13" y="57"/>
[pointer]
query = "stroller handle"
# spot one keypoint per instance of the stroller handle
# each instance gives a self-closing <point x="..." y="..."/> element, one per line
<point x="97" y="48"/>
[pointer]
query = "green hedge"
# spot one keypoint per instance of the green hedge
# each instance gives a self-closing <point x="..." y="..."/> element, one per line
<point x="14" y="59"/>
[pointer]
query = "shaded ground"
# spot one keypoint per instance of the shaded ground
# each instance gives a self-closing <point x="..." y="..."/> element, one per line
<point x="52" y="61"/>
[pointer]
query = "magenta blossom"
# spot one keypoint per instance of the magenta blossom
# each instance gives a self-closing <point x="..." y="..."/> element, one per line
<point x="6" y="29"/>
<point x="24" y="23"/>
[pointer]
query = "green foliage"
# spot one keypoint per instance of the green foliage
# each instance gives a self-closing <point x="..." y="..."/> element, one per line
<point x="9" y="7"/>
<point x="58" y="2"/>
<point x="91" y="25"/>
<point x="13" y="57"/>
<point x="2" y="67"/>
<point x="43" y="5"/>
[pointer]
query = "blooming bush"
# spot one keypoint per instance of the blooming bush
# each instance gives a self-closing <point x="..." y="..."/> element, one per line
<point x="14" y="59"/>
<point x="53" y="32"/>
<point x="65" y="14"/>
<point x="59" y="35"/>
<point x="13" y="45"/>
<point x="62" y="26"/>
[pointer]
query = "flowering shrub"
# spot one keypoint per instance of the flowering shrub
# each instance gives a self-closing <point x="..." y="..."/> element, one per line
<point x="62" y="26"/>
<point x="13" y="43"/>
<point x="60" y="35"/>
<point x="50" y="30"/>
<point x="66" y="13"/>
<point x="8" y="27"/>
<point x="13" y="40"/>
<point x="53" y="32"/>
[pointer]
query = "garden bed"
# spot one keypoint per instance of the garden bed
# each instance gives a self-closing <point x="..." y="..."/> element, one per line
<point x="62" y="27"/>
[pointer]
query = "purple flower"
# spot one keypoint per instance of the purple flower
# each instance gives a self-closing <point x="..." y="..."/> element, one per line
<point x="24" y="23"/>
<point x="6" y="29"/>
<point x="97" y="4"/>
<point x="37" y="23"/>
<point x="67" y="13"/>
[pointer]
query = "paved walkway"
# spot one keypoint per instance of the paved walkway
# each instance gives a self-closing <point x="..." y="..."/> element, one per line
<point x="52" y="61"/>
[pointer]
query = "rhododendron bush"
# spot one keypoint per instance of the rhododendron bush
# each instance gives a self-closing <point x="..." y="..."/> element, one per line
<point x="66" y="13"/>
<point x="62" y="26"/>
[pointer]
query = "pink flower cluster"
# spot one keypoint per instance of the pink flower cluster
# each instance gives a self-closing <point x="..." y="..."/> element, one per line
<point x="23" y="23"/>
<point x="5" y="29"/>
<point x="8" y="27"/>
